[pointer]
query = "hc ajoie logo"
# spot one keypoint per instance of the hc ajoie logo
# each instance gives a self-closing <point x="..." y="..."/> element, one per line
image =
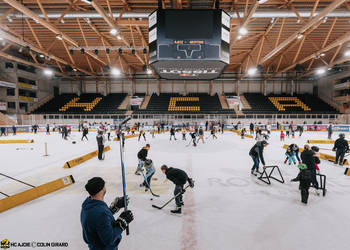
<point x="5" y="244"/>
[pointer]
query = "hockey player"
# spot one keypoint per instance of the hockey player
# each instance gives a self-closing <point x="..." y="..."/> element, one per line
<point x="172" y="133"/>
<point x="290" y="156"/>
<point x="100" y="143"/>
<point x="150" y="170"/>
<point x="304" y="178"/>
<point x="257" y="152"/>
<point x="100" y="229"/>
<point x="47" y="129"/>
<point x="307" y="157"/>
<point x="14" y="129"/>
<point x="3" y="131"/>
<point x="108" y="131"/>
<point x="200" y="134"/>
<point x="330" y="131"/>
<point x="316" y="158"/>
<point x="193" y="136"/>
<point x="282" y="135"/>
<point x="295" y="150"/>
<point x="142" y="133"/>
<point x="212" y="132"/>
<point x="85" y="132"/>
<point x="268" y="128"/>
<point x="341" y="146"/>
<point x="251" y="128"/>
<point x="179" y="178"/>
<point x="243" y="131"/>
<point x="142" y="155"/>
<point x="184" y="134"/>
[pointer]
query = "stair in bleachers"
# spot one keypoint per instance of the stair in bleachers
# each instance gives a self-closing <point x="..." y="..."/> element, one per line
<point x="145" y="102"/>
<point x="244" y="102"/>
<point x="5" y="120"/>
<point x="125" y="102"/>
<point x="223" y="102"/>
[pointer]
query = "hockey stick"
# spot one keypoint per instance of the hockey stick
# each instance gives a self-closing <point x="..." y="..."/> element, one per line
<point x="170" y="199"/>
<point x="123" y="174"/>
<point x="149" y="187"/>
<point x="189" y="143"/>
<point x="17" y="180"/>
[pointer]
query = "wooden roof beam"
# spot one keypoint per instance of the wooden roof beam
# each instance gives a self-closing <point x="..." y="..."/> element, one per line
<point x="49" y="26"/>
<point x="302" y="30"/>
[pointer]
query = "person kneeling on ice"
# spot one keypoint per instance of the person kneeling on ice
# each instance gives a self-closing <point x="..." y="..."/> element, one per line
<point x="179" y="178"/>
<point x="142" y="155"/>
<point x="150" y="170"/>
<point x="256" y="152"/>
<point x="100" y="229"/>
<point x="295" y="150"/>
<point x="304" y="177"/>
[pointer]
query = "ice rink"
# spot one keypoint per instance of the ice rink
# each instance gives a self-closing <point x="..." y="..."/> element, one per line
<point x="227" y="209"/>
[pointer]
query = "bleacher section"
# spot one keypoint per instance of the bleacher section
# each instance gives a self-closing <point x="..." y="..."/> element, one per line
<point x="286" y="104"/>
<point x="193" y="103"/>
<point x="83" y="104"/>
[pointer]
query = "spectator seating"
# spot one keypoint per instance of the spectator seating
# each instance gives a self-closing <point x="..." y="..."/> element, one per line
<point x="286" y="104"/>
<point x="83" y="104"/>
<point x="193" y="103"/>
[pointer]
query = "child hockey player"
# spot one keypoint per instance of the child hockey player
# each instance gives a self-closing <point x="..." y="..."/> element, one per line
<point x="142" y="155"/>
<point x="282" y="136"/>
<point x="212" y="132"/>
<point x="85" y="132"/>
<point x="295" y="150"/>
<point x="200" y="135"/>
<point x="142" y="133"/>
<point x="290" y="156"/>
<point x="193" y="136"/>
<point x="287" y="133"/>
<point x="304" y="177"/>
<point x="243" y="131"/>
<point x="179" y="178"/>
<point x="172" y="133"/>
<point x="150" y="170"/>
<point x="184" y="134"/>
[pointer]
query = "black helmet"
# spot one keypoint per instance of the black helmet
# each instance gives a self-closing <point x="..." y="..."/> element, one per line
<point x="315" y="148"/>
<point x="342" y="135"/>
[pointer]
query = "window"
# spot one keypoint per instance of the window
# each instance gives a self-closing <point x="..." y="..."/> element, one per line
<point x="11" y="105"/>
<point x="10" y="92"/>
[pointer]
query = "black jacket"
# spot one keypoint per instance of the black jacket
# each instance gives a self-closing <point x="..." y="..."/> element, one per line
<point x="142" y="154"/>
<point x="258" y="151"/>
<point x="100" y="140"/>
<point x="177" y="176"/>
<point x="172" y="131"/>
<point x="304" y="177"/>
<point x="307" y="157"/>
<point x="341" y="144"/>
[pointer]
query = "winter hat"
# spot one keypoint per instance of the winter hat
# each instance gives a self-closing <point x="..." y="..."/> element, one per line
<point x="95" y="185"/>
<point x="302" y="166"/>
<point x="264" y="143"/>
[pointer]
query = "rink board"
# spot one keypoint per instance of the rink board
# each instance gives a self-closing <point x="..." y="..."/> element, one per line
<point x="239" y="133"/>
<point x="322" y="155"/>
<point x="322" y="141"/>
<point x="36" y="192"/>
<point x="81" y="159"/>
<point x="16" y="141"/>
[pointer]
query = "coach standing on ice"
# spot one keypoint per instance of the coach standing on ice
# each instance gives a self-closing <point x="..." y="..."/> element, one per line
<point x="100" y="229"/>
<point x="256" y="152"/>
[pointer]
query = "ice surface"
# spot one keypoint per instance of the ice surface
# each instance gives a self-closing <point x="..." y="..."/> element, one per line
<point x="227" y="209"/>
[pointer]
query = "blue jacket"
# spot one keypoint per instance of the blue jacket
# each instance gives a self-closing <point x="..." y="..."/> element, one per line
<point x="97" y="223"/>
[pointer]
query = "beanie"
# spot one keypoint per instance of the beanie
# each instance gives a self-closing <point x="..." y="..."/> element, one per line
<point x="95" y="185"/>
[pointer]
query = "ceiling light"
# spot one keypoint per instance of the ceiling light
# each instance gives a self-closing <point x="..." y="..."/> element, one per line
<point x="300" y="36"/>
<point x="62" y="21"/>
<point x="59" y="37"/>
<point x="347" y="53"/>
<point x="41" y="55"/>
<point x="115" y="71"/>
<point x="9" y="19"/>
<point x="87" y="1"/>
<point x="320" y="71"/>
<point x="322" y="54"/>
<point x="243" y="31"/>
<point x="272" y="20"/>
<point x="88" y="20"/>
<point x="119" y="37"/>
<point x="48" y="72"/>
<point x="298" y="20"/>
<point x="239" y="37"/>
<point x="113" y="32"/>
<point x="325" y="19"/>
<point x="262" y="1"/>
<point x="1" y="38"/>
<point x="20" y="50"/>
<point x="75" y="70"/>
<point x="149" y="71"/>
<point x="329" y="69"/>
<point x="252" y="71"/>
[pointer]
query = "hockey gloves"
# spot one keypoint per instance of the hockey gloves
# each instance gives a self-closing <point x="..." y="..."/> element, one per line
<point x="124" y="219"/>
<point x="118" y="203"/>
<point x="191" y="182"/>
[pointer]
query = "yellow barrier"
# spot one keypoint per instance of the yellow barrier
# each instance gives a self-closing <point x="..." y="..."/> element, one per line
<point x="126" y="137"/>
<point x="347" y="172"/>
<point x="33" y="193"/>
<point x="81" y="159"/>
<point x="322" y="156"/>
<point x="322" y="141"/>
<point x="245" y="135"/>
<point x="16" y="141"/>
